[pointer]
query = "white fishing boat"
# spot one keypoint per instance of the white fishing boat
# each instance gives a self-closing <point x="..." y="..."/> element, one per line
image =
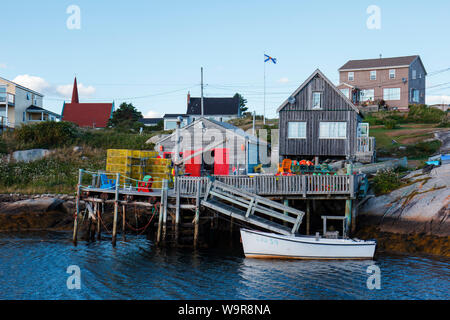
<point x="259" y="244"/>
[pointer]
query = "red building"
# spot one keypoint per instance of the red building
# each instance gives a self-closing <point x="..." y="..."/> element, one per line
<point x="93" y="115"/>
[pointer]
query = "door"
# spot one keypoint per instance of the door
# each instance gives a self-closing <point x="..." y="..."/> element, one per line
<point x="221" y="161"/>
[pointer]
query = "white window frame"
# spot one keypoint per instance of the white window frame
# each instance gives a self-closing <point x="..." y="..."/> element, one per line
<point x="388" y="95"/>
<point x="322" y="126"/>
<point x="414" y="74"/>
<point x="392" y="74"/>
<point x="320" y="100"/>
<point x="298" y="136"/>
<point x="346" y="92"/>
<point x="371" y="73"/>
<point x="351" y="76"/>
<point x="364" y="91"/>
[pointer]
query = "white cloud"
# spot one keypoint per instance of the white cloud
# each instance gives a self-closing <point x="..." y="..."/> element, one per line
<point x="152" y="114"/>
<point x="283" y="80"/>
<point x="438" y="99"/>
<point x="32" y="82"/>
<point x="66" y="90"/>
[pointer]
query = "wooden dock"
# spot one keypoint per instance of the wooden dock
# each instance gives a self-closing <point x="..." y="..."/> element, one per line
<point x="253" y="200"/>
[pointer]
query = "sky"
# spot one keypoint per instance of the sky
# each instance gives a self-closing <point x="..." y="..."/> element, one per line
<point x="150" y="53"/>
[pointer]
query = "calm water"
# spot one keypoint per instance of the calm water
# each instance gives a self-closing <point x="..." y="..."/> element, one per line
<point x="33" y="266"/>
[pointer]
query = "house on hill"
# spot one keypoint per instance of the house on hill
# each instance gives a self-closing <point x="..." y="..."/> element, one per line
<point x="218" y="147"/>
<point x="219" y="109"/>
<point x="318" y="120"/>
<point x="399" y="81"/>
<point x="92" y="115"/>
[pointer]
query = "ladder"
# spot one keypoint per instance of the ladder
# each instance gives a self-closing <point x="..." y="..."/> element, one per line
<point x="251" y="208"/>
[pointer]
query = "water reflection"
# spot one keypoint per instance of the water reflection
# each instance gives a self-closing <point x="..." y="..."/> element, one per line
<point x="33" y="266"/>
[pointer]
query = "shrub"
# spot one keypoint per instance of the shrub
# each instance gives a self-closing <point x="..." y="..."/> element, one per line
<point x="47" y="134"/>
<point x="425" y="114"/>
<point x="390" y="124"/>
<point x="385" y="182"/>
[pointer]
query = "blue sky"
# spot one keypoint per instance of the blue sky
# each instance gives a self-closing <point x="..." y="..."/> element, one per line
<point x="150" y="52"/>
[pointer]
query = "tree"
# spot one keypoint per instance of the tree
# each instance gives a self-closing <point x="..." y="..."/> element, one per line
<point x="242" y="103"/>
<point x="126" y="116"/>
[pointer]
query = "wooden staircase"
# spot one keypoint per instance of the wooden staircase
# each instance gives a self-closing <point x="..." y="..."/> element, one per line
<point x="251" y="208"/>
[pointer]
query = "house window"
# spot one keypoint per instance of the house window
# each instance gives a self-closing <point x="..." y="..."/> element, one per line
<point x="391" y="94"/>
<point x="392" y="74"/>
<point x="28" y="96"/>
<point x="2" y="93"/>
<point x="366" y="95"/>
<point x="296" y="130"/>
<point x="316" y="100"/>
<point x="351" y="76"/>
<point x="373" y="75"/>
<point x="415" y="95"/>
<point x="414" y="74"/>
<point x="333" y="130"/>
<point x="346" y="92"/>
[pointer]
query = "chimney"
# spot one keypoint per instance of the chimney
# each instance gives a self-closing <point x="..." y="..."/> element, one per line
<point x="188" y="98"/>
<point x="75" y="92"/>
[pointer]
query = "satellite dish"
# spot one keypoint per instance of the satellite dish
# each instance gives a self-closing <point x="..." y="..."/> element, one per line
<point x="291" y="100"/>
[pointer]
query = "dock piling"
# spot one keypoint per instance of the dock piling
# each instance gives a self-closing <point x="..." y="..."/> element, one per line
<point x="116" y="209"/>
<point x="77" y="212"/>
<point x="197" y="215"/>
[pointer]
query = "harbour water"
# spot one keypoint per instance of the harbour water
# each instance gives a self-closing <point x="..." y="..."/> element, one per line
<point x="34" y="266"/>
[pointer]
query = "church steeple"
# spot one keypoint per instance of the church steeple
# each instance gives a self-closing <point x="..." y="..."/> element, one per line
<point x="75" y="92"/>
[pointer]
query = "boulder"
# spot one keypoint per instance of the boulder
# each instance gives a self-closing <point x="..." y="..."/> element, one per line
<point x="156" y="138"/>
<point x="30" y="155"/>
<point x="420" y="207"/>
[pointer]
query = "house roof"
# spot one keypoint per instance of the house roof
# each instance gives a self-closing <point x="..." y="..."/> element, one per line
<point x="315" y="73"/>
<point x="225" y="125"/>
<point x="88" y="114"/>
<point x="34" y="108"/>
<point x="213" y="106"/>
<point x="22" y="87"/>
<point x="174" y="115"/>
<point x="150" y="120"/>
<point x="379" y="63"/>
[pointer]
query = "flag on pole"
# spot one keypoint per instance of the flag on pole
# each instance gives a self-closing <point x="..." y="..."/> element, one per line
<point x="269" y="58"/>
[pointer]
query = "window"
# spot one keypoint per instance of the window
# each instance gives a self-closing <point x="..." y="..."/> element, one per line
<point x="346" y="93"/>
<point x="414" y="74"/>
<point x="366" y="95"/>
<point x="316" y="103"/>
<point x="373" y="75"/>
<point x="296" y="130"/>
<point x="2" y="93"/>
<point x="392" y="74"/>
<point x="415" y="95"/>
<point x="351" y="76"/>
<point x="333" y="130"/>
<point x="391" y="94"/>
<point x="28" y="96"/>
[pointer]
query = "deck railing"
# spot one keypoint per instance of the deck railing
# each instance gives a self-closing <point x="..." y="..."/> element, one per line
<point x="365" y="144"/>
<point x="265" y="185"/>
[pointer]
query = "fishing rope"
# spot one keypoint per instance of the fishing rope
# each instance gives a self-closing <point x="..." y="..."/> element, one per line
<point x="154" y="210"/>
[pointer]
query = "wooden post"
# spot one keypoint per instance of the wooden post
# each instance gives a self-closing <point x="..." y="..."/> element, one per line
<point x="77" y="212"/>
<point x="123" y="222"/>
<point x="164" y="232"/>
<point x="197" y="215"/>
<point x="116" y="209"/>
<point x="308" y="217"/>
<point x="348" y="215"/>
<point x="354" y="214"/>
<point x="160" y="218"/>
<point x="177" y="209"/>
<point x="99" y="217"/>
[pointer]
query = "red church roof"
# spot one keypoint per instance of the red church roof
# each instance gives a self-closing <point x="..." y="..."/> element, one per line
<point x="86" y="114"/>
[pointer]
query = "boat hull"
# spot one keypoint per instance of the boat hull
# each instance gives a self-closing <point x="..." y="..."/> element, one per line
<point x="264" y="245"/>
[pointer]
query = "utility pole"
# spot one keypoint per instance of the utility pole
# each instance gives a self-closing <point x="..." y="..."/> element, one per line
<point x="264" y="113"/>
<point x="201" y="69"/>
<point x="254" y="115"/>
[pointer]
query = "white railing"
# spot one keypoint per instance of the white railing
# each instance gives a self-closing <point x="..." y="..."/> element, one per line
<point x="365" y="144"/>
